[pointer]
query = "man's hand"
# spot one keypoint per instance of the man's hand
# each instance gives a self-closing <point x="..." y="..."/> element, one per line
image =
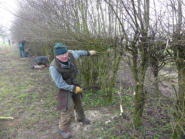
<point x="77" y="90"/>
<point x="92" y="52"/>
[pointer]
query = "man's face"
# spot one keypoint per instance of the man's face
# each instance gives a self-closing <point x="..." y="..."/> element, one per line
<point x="63" y="57"/>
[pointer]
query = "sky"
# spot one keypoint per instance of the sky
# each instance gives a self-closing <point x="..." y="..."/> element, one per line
<point x="7" y="7"/>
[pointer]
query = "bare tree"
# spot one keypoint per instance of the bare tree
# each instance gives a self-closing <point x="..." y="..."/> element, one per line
<point x="178" y="45"/>
<point x="136" y="18"/>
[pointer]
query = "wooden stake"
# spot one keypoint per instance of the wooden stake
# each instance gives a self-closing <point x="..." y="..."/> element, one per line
<point x="6" y="118"/>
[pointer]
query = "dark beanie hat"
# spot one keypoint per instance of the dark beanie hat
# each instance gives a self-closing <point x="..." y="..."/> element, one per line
<point x="59" y="49"/>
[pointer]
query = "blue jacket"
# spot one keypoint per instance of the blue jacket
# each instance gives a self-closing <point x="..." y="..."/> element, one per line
<point x="21" y="45"/>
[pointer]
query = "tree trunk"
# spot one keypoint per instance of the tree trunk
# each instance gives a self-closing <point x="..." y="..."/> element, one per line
<point x="180" y="62"/>
<point x="139" y="91"/>
<point x="139" y="99"/>
<point x="139" y="105"/>
<point x="156" y="81"/>
<point x="178" y="131"/>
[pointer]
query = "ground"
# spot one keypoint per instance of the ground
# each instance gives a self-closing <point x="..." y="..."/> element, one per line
<point x="29" y="96"/>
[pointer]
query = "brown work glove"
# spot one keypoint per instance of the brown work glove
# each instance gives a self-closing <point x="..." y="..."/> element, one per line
<point x="77" y="90"/>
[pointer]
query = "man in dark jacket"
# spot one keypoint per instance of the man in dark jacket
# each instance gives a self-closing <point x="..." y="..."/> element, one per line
<point x="63" y="71"/>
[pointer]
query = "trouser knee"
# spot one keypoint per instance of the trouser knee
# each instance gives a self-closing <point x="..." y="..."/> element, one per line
<point x="65" y="120"/>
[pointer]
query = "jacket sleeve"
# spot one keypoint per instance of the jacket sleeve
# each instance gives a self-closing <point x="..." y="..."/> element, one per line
<point x="78" y="53"/>
<point x="59" y="81"/>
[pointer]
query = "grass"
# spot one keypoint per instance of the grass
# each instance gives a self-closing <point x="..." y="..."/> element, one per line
<point x="155" y="124"/>
<point x="30" y="97"/>
<point x="25" y="94"/>
<point x="96" y="99"/>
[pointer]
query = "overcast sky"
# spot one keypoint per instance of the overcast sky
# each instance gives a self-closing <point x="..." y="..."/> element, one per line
<point x="6" y="7"/>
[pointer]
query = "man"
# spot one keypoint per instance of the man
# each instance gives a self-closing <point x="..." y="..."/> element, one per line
<point x="21" y="48"/>
<point x="40" y="62"/>
<point x="63" y="71"/>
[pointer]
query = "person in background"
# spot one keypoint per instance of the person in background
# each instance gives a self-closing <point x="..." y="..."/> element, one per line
<point x="63" y="71"/>
<point x="40" y="62"/>
<point x="21" y="48"/>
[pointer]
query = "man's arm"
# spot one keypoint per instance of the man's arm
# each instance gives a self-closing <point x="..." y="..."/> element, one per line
<point x="78" y="53"/>
<point x="59" y="81"/>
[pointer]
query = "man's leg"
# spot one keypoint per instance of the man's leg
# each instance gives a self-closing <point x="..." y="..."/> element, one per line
<point x="79" y="110"/>
<point x="20" y="52"/>
<point x="67" y="112"/>
<point x="23" y="54"/>
<point x="65" y="122"/>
